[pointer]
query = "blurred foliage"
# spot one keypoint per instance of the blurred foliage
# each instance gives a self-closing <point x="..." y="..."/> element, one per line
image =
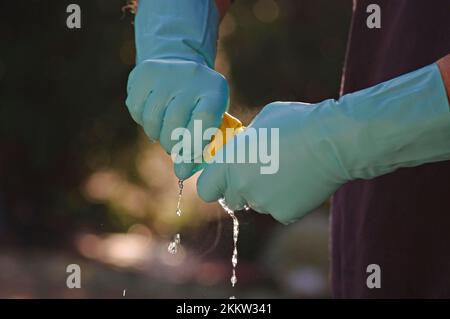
<point x="62" y="114"/>
<point x="73" y="162"/>
<point x="287" y="50"/>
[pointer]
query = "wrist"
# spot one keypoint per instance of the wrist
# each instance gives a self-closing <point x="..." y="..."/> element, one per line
<point x="222" y="7"/>
<point x="444" y="68"/>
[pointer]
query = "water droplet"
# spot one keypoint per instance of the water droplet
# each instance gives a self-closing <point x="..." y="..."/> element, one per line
<point x="234" y="260"/>
<point x="180" y="195"/>
<point x="173" y="246"/>
<point x="233" y="280"/>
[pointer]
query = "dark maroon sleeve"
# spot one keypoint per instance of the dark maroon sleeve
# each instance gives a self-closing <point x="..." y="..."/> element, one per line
<point x="399" y="221"/>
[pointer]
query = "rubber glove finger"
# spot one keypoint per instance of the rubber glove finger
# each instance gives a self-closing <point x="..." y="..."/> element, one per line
<point x="234" y="191"/>
<point x="177" y="115"/>
<point x="211" y="184"/>
<point x="185" y="170"/>
<point x="135" y="108"/>
<point x="185" y="167"/>
<point x="209" y="111"/>
<point x="210" y="187"/>
<point x="138" y="90"/>
<point x="153" y="115"/>
<point x="234" y="200"/>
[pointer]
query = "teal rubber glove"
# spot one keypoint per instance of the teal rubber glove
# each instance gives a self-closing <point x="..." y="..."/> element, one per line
<point x="173" y="83"/>
<point x="403" y="122"/>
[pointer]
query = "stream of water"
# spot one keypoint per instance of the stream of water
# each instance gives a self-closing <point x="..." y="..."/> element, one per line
<point x="234" y="257"/>
<point x="175" y="243"/>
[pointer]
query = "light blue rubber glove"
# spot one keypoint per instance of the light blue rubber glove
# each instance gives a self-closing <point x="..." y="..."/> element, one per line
<point x="403" y="122"/>
<point x="174" y="83"/>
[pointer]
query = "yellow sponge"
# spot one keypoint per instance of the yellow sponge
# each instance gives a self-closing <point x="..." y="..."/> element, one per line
<point x="234" y="127"/>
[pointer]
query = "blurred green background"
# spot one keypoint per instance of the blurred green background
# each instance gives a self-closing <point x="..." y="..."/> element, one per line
<point x="80" y="183"/>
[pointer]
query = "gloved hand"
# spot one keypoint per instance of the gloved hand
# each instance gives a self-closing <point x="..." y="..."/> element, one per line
<point x="403" y="122"/>
<point x="174" y="83"/>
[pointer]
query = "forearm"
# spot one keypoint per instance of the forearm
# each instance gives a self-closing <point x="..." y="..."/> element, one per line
<point x="160" y="24"/>
<point x="173" y="29"/>
<point x="403" y="122"/>
<point x="444" y="67"/>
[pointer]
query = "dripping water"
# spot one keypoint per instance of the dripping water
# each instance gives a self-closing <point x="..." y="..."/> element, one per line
<point x="175" y="243"/>
<point x="234" y="257"/>
<point x="173" y="246"/>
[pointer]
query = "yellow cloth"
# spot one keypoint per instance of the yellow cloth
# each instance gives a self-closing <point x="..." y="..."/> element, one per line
<point x="228" y="121"/>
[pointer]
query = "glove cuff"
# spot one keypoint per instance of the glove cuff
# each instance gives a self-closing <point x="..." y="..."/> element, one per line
<point x="403" y="122"/>
<point x="174" y="29"/>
